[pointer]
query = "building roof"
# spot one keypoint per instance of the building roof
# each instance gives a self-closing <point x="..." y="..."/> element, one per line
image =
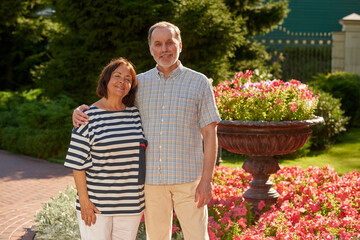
<point x="319" y="15"/>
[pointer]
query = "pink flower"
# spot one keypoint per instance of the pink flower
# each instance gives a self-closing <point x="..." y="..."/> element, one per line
<point x="343" y="196"/>
<point x="142" y="218"/>
<point x="242" y="222"/>
<point x="175" y="228"/>
<point x="249" y="95"/>
<point x="238" y="75"/>
<point x="235" y="95"/>
<point x="314" y="207"/>
<point x="247" y="74"/>
<point x="261" y="205"/>
<point x="295" y="82"/>
<point x="276" y="83"/>
<point x="212" y="235"/>
<point x="239" y="211"/>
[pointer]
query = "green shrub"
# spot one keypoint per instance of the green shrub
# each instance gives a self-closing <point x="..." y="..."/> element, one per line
<point x="345" y="86"/>
<point x="34" y="127"/>
<point x="324" y="135"/>
<point x="141" y="235"/>
<point x="57" y="219"/>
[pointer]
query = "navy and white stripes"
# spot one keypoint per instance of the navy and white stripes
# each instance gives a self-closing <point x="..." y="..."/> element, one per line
<point x="110" y="148"/>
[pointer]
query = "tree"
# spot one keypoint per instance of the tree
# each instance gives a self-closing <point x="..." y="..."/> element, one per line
<point x="22" y="40"/>
<point x="210" y="36"/>
<point x="65" y="52"/>
<point x="259" y="17"/>
<point x="93" y="32"/>
<point x="97" y="31"/>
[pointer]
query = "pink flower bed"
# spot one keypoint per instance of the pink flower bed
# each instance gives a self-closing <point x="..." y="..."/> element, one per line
<point x="249" y="97"/>
<point x="314" y="203"/>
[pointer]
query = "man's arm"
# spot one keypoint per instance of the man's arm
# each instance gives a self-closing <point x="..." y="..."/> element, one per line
<point x="204" y="190"/>
<point x="79" y="117"/>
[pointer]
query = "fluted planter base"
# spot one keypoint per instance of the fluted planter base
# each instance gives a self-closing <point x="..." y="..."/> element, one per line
<point x="261" y="141"/>
<point x="260" y="187"/>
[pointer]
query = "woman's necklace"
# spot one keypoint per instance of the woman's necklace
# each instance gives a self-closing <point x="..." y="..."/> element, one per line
<point x="117" y="108"/>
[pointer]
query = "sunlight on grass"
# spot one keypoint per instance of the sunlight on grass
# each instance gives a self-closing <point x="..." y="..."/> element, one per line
<point x="343" y="156"/>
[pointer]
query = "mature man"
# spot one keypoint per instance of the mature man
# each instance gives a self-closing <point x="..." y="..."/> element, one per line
<point x="179" y="117"/>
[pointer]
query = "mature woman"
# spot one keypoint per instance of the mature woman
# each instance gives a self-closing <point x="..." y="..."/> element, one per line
<point x="108" y="159"/>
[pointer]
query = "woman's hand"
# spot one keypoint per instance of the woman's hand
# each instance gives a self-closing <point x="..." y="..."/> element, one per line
<point x="79" y="117"/>
<point x="88" y="211"/>
<point x="87" y="208"/>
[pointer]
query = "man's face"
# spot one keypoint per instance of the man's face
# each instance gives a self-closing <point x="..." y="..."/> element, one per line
<point x="165" y="48"/>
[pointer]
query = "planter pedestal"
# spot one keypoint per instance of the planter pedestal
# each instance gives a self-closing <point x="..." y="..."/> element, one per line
<point x="260" y="187"/>
<point x="261" y="141"/>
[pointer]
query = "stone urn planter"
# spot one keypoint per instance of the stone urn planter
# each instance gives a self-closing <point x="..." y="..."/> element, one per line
<point x="261" y="140"/>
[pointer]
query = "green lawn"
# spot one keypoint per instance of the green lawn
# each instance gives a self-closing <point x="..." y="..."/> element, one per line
<point x="344" y="156"/>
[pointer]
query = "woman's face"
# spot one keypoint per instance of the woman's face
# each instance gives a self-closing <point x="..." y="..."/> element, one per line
<point x="120" y="82"/>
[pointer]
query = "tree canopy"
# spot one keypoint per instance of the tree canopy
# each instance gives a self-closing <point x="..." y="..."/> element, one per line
<point x="81" y="37"/>
<point x="23" y="42"/>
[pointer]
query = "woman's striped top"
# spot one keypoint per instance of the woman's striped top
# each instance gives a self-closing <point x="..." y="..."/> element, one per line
<point x="111" y="149"/>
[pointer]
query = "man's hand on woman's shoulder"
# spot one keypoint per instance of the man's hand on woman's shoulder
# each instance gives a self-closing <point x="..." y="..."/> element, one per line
<point x="78" y="117"/>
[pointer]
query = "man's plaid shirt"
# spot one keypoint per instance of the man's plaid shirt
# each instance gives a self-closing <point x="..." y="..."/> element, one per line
<point x="173" y="111"/>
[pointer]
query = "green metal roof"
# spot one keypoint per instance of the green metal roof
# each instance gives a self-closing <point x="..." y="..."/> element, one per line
<point x="319" y="15"/>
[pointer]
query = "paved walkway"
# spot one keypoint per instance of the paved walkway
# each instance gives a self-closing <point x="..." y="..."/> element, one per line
<point x="25" y="184"/>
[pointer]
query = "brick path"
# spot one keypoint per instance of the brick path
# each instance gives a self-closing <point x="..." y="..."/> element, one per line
<point x="25" y="184"/>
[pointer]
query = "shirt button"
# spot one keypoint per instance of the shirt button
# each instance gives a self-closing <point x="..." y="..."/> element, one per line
<point x="160" y="146"/>
<point x="160" y="133"/>
<point x="160" y="161"/>
<point x="162" y="120"/>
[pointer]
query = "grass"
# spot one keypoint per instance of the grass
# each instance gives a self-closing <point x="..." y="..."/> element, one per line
<point x="344" y="156"/>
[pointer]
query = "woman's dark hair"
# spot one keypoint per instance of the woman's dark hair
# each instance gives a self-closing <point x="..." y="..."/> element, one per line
<point x="105" y="76"/>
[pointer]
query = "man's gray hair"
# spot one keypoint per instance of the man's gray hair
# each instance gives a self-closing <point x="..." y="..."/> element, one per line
<point x="164" y="24"/>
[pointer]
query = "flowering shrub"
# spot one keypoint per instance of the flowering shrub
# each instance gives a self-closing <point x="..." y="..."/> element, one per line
<point x="314" y="204"/>
<point x="248" y="97"/>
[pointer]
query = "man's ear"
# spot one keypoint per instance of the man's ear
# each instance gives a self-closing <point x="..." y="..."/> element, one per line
<point x="180" y="45"/>
<point x="150" y="51"/>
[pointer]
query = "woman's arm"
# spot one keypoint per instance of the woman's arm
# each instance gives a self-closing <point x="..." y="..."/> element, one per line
<point x="88" y="209"/>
